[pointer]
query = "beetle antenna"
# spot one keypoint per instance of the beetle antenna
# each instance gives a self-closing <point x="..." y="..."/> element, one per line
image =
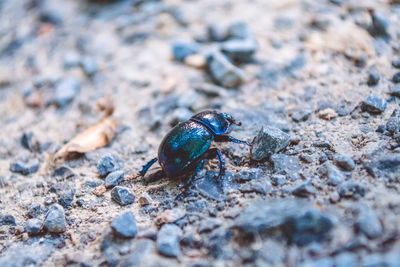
<point x="232" y="120"/>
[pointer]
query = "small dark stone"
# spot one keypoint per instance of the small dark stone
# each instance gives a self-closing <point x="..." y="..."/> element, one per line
<point x="66" y="90"/>
<point x="374" y="104"/>
<point x="89" y="65"/>
<point x="305" y="158"/>
<point x="379" y="26"/>
<point x="396" y="64"/>
<point x="168" y="240"/>
<point x="125" y="225"/>
<point x="239" y="51"/>
<point x="7" y="220"/>
<point x="369" y="224"/>
<point x="114" y="178"/>
<point x="352" y="189"/>
<point x="394" y="90"/>
<point x="305" y="189"/>
<point x="34" y="211"/>
<point x="27" y="142"/>
<point x="323" y="144"/>
<point x="393" y="123"/>
<point x="218" y="244"/>
<point x="64" y="172"/>
<point x="301" y="115"/>
<point x="223" y="71"/>
<point x="381" y="129"/>
<point x="33" y="226"/>
<point x="278" y="179"/>
<point x="54" y="221"/>
<point x="66" y="197"/>
<point x="217" y="33"/>
<point x="208" y="225"/>
<point x="26" y="167"/>
<point x="396" y="78"/>
<point x="122" y="195"/>
<point x="344" y="162"/>
<point x="268" y="141"/>
<point x="239" y="30"/>
<point x="373" y="77"/>
<point x="108" y="163"/>
<point x="93" y="184"/>
<point x="181" y="50"/>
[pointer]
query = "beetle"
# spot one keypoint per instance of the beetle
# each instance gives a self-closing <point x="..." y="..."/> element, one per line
<point x="185" y="147"/>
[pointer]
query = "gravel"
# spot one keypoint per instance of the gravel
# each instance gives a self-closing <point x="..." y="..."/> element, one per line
<point x="125" y="225"/>
<point x="168" y="240"/>
<point x="223" y="71"/>
<point x="114" y="178"/>
<point x="268" y="141"/>
<point x="374" y="104"/>
<point x="122" y="195"/>
<point x="54" y="221"/>
<point x="33" y="226"/>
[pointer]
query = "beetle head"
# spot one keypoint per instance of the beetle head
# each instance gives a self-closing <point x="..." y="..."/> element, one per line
<point x="217" y="122"/>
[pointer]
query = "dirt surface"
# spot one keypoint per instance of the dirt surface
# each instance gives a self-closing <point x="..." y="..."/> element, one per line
<point x="326" y="73"/>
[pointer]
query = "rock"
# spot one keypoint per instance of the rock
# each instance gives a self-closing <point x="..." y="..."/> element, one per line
<point x="168" y="240"/>
<point x="301" y="115"/>
<point x="71" y="60"/>
<point x="145" y="200"/>
<point x="66" y="196"/>
<point x="379" y="26"/>
<point x="335" y="176"/>
<point x="142" y="253"/>
<point x="373" y="77"/>
<point x="217" y="33"/>
<point x="300" y="221"/>
<point x="284" y="164"/>
<point x="33" y="226"/>
<point x="109" y="163"/>
<point x="125" y="225"/>
<point x="63" y="173"/>
<point x="327" y="114"/>
<point x="396" y="63"/>
<point x="89" y="65"/>
<point x="224" y="72"/>
<point x="346" y="259"/>
<point x="208" y="225"/>
<point x="374" y="104"/>
<point x="396" y="78"/>
<point x="34" y="211"/>
<point x="208" y="185"/>
<point x="20" y="254"/>
<point x="239" y="51"/>
<point x="305" y="189"/>
<point x="393" y="123"/>
<point x="25" y="167"/>
<point x="66" y="90"/>
<point x="239" y="30"/>
<point x="122" y="195"/>
<point x="218" y="244"/>
<point x="278" y="179"/>
<point x="7" y="220"/>
<point x="268" y="141"/>
<point x="50" y="12"/>
<point x="257" y="186"/>
<point x="54" y="221"/>
<point x="245" y="175"/>
<point x="394" y="90"/>
<point x="114" y="178"/>
<point x="181" y="50"/>
<point x="352" y="189"/>
<point x="369" y="224"/>
<point x="344" y="162"/>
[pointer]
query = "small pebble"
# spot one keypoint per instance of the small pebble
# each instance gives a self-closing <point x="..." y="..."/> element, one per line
<point x="370" y="225"/>
<point x="304" y="190"/>
<point x="379" y="26"/>
<point x="54" y="221"/>
<point x="278" y="179"/>
<point x="89" y="65"/>
<point x="327" y="114"/>
<point x="108" y="163"/>
<point x="396" y="64"/>
<point x="396" y="78"/>
<point x="33" y="226"/>
<point x="373" y="77"/>
<point x="66" y="90"/>
<point x="168" y="240"/>
<point x="344" y="162"/>
<point x="223" y="71"/>
<point x="122" y="195"/>
<point x="240" y="51"/>
<point x="374" y="104"/>
<point x="181" y="50"/>
<point x="114" y="178"/>
<point x="268" y="141"/>
<point x="144" y="200"/>
<point x="125" y="225"/>
<point x="25" y="167"/>
<point x="34" y="211"/>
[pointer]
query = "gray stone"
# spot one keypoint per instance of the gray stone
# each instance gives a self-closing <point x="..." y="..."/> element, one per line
<point x="7" y="219"/>
<point x="21" y="255"/>
<point x="284" y="164"/>
<point x="125" y="225"/>
<point x="344" y="162"/>
<point x="394" y="90"/>
<point x="207" y="184"/>
<point x="369" y="224"/>
<point x="245" y="175"/>
<point x="301" y="115"/>
<point x="374" y="104"/>
<point x="379" y="26"/>
<point x="373" y="77"/>
<point x="66" y="90"/>
<point x="393" y="123"/>
<point x="223" y="71"/>
<point x="259" y="186"/>
<point x="278" y="179"/>
<point x="346" y="259"/>
<point x="181" y="50"/>
<point x="301" y="222"/>
<point x="122" y="195"/>
<point x="168" y="240"/>
<point x="54" y="221"/>
<point x="352" y="189"/>
<point x="143" y="250"/>
<point x="268" y="141"/>
<point x="25" y="167"/>
<point x="34" y="211"/>
<point x="109" y="163"/>
<point x="89" y="65"/>
<point x="240" y="51"/>
<point x="114" y="178"/>
<point x="335" y="176"/>
<point x="71" y="59"/>
<point x="33" y="226"/>
<point x="305" y="189"/>
<point x="239" y="30"/>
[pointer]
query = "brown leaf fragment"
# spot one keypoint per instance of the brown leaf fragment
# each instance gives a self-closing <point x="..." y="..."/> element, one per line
<point x="90" y="139"/>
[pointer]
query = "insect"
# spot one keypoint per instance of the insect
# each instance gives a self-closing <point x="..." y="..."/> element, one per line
<point x="185" y="147"/>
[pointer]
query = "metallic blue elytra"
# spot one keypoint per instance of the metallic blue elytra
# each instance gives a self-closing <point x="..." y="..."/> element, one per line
<point x="188" y="143"/>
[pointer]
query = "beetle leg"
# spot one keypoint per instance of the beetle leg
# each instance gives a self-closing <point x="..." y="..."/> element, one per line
<point x="147" y="166"/>
<point x="215" y="152"/>
<point x="193" y="177"/>
<point x="227" y="138"/>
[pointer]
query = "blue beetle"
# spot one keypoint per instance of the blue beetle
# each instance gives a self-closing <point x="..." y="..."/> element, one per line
<point x="185" y="147"/>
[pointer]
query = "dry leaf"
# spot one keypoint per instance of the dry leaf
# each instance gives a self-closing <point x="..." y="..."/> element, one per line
<point x="95" y="136"/>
